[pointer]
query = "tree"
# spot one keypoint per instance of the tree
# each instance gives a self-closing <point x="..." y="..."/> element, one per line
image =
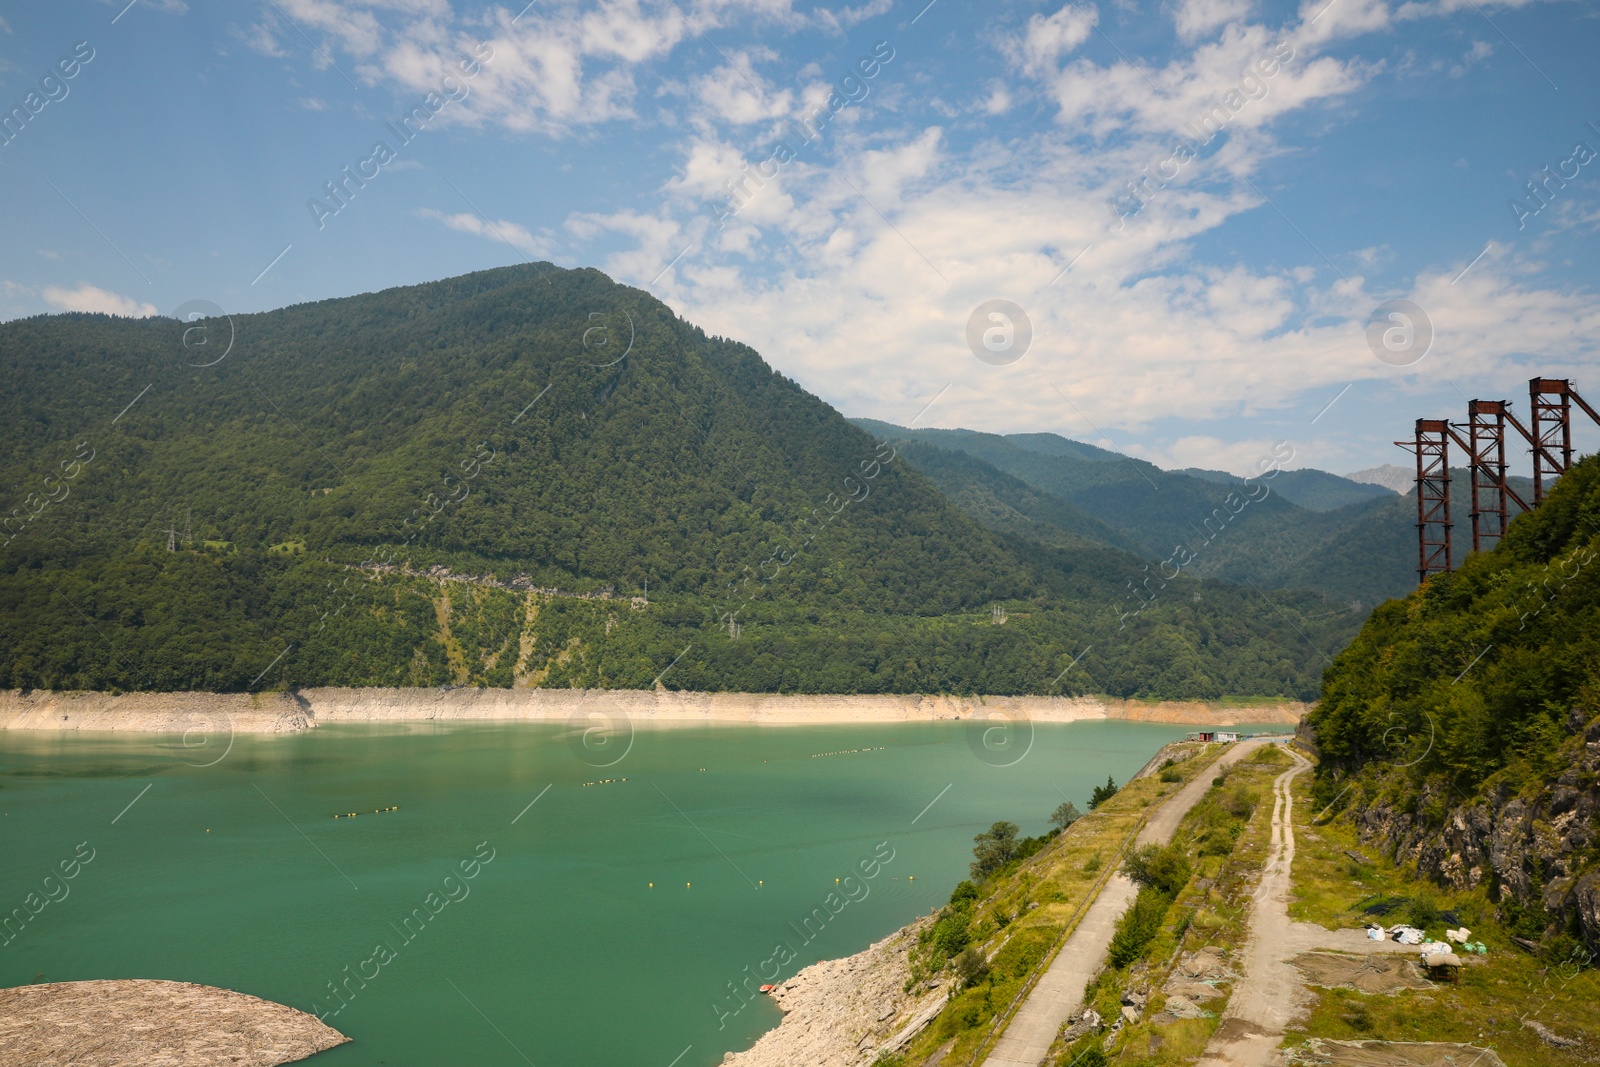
<point x="1103" y="793"/>
<point x="1065" y="815"/>
<point x="993" y="849"/>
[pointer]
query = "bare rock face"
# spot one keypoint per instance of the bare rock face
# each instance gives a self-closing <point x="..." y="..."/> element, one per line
<point x="139" y="1023"/>
<point x="1531" y="848"/>
<point x="840" y="1013"/>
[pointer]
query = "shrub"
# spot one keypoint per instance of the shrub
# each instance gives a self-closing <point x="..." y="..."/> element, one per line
<point x="1238" y="802"/>
<point x="1103" y="793"/>
<point x="964" y="891"/>
<point x="971" y="966"/>
<point x="1092" y="864"/>
<point x="1162" y="867"/>
<point x="951" y="933"/>
<point x="1138" y="926"/>
<point x="1422" y="913"/>
<point x="1171" y="774"/>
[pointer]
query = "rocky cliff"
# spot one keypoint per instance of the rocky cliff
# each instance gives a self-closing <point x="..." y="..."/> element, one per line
<point x="1535" y="849"/>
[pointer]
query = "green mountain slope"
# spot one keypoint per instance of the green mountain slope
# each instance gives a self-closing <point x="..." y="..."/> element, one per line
<point x="469" y="482"/>
<point x="1313" y="490"/>
<point x="1003" y="503"/>
<point x="1462" y="726"/>
<point x="1353" y="543"/>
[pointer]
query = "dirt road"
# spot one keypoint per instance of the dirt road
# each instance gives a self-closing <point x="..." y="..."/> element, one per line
<point x="1059" y="993"/>
<point x="1271" y="993"/>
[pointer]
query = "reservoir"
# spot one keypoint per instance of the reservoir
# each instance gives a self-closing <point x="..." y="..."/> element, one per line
<point x="512" y="893"/>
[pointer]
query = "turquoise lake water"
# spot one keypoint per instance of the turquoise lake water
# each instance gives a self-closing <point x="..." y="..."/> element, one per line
<point x="557" y="951"/>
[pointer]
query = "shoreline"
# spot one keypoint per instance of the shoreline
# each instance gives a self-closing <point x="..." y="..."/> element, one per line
<point x="305" y="709"/>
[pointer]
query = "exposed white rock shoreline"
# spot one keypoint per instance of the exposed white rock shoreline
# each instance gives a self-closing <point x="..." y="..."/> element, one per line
<point x="840" y="1013"/>
<point x="273" y="713"/>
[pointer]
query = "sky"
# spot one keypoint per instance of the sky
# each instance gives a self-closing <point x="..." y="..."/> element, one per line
<point x="1189" y="230"/>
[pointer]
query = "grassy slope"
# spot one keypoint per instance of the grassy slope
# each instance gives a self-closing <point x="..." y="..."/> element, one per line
<point x="1062" y="879"/>
<point x="1496" y="991"/>
<point x="1227" y="849"/>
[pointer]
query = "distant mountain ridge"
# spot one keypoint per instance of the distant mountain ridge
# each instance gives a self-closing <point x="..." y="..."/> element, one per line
<point x="1354" y="542"/>
<point x="1309" y="488"/>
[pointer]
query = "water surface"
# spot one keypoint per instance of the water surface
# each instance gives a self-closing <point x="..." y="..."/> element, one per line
<point x="559" y="951"/>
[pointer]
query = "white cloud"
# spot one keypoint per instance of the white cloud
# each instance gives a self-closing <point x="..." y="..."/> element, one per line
<point x="501" y="230"/>
<point x="738" y="95"/>
<point x="1196" y="18"/>
<point x="1211" y="453"/>
<point x="92" y="298"/>
<point x="998" y="101"/>
<point x="1254" y="75"/>
<point x="1479" y="51"/>
<point x="846" y="17"/>
<point x="842" y="297"/>
<point x="1046" y="40"/>
<point x="176" y="7"/>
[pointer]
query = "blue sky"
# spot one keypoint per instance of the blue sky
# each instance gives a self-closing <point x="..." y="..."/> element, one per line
<point x="1359" y="151"/>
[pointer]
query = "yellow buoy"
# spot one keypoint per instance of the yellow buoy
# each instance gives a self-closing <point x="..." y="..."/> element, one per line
<point x="652" y="885"/>
<point x="686" y="885"/>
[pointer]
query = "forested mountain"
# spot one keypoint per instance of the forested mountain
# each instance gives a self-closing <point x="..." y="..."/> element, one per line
<point x="1311" y="489"/>
<point x="1352" y="542"/>
<point x="1462" y="726"/>
<point x="473" y="481"/>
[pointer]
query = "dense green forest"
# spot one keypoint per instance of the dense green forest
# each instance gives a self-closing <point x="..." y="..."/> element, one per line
<point x="1353" y="542"/>
<point x="534" y="476"/>
<point x="1480" y="670"/>
<point x="1461" y="728"/>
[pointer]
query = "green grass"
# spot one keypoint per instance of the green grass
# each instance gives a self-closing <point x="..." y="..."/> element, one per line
<point x="1059" y="879"/>
<point x="1496" y="992"/>
<point x="1210" y="911"/>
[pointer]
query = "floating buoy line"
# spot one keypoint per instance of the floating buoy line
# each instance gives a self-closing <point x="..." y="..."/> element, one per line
<point x="846" y="752"/>
<point x="374" y="811"/>
<point x="605" y="781"/>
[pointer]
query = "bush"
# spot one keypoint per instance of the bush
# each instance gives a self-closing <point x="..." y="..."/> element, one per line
<point x="1171" y="774"/>
<point x="1161" y="867"/>
<point x="971" y="966"/>
<point x="1092" y="864"/>
<point x="951" y="933"/>
<point x="1238" y="802"/>
<point x="963" y="892"/>
<point x="1138" y="926"/>
<point x="1422" y="913"/>
<point x="1103" y="793"/>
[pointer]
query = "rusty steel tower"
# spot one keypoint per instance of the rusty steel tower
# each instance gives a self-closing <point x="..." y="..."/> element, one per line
<point x="1549" y="440"/>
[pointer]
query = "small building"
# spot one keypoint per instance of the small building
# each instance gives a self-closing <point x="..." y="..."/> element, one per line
<point x="1202" y="735"/>
<point x="1227" y="738"/>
